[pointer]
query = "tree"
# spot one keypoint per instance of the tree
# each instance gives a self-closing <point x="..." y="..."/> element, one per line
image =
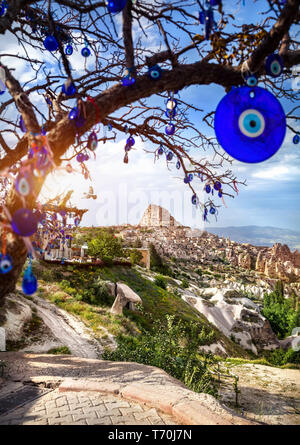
<point x="136" y="256"/>
<point x="106" y="246"/>
<point x="117" y="43"/>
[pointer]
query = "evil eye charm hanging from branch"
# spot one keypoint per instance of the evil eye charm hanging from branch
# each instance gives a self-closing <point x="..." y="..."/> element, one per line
<point x="92" y="141"/>
<point x="169" y="156"/>
<point x="155" y="72"/>
<point x="24" y="222"/>
<point x="24" y="184"/>
<point x="29" y="283"/>
<point x="195" y="200"/>
<point x="115" y="6"/>
<point x="250" y="124"/>
<point x="85" y="52"/>
<point x="251" y="80"/>
<point x="50" y="43"/>
<point x="22" y="125"/>
<point x="274" y="65"/>
<point x="3" y="8"/>
<point x="170" y="129"/>
<point x="69" y="50"/>
<point x="6" y="263"/>
<point x="206" y="18"/>
<point x="128" y="79"/>
<point x="296" y="139"/>
<point x="69" y="88"/>
<point x="130" y="141"/>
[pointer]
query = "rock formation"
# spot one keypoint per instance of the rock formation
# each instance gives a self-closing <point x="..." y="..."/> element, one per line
<point x="125" y="297"/>
<point x="157" y="216"/>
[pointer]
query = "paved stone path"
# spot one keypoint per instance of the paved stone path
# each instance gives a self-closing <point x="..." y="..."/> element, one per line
<point x="93" y="391"/>
<point x="84" y="408"/>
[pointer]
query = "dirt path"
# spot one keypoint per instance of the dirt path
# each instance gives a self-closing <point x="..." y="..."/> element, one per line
<point x="67" y="329"/>
<point x="269" y="395"/>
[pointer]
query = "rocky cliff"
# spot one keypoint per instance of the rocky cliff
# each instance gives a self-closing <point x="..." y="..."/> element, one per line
<point x="174" y="240"/>
<point x="157" y="216"/>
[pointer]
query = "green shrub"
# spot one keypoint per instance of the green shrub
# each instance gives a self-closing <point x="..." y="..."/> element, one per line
<point x="60" y="350"/>
<point x="135" y="256"/>
<point x="184" y="283"/>
<point x="160" y="281"/>
<point x="281" y="312"/>
<point x="173" y="347"/>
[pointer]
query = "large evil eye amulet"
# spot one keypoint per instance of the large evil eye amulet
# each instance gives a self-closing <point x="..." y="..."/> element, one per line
<point x="6" y="263"/>
<point x="155" y="72"/>
<point x="207" y="188"/>
<point x="212" y="210"/>
<point x="115" y="6"/>
<point x="24" y="222"/>
<point x="50" y="43"/>
<point x="274" y="65"/>
<point x="250" y="124"/>
<point x="170" y="129"/>
<point x="217" y="185"/>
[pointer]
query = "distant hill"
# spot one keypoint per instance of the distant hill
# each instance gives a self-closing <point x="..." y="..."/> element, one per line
<point x="259" y="236"/>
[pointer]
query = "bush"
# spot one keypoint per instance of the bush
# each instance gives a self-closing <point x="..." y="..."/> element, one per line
<point x="173" y="347"/>
<point x="160" y="281"/>
<point x="280" y="357"/>
<point x="60" y="350"/>
<point x="106" y="246"/>
<point x="281" y="312"/>
<point x="135" y="256"/>
<point x="184" y="283"/>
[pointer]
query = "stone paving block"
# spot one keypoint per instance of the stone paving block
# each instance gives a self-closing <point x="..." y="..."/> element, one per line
<point x="102" y="421"/>
<point x="131" y="410"/>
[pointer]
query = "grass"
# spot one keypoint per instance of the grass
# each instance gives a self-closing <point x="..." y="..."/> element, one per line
<point x="157" y="302"/>
<point x="236" y="361"/>
<point x="59" y="351"/>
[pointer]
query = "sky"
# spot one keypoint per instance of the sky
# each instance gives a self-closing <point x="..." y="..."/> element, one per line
<point x="271" y="197"/>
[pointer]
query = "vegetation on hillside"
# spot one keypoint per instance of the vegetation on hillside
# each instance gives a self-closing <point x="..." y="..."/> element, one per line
<point x="282" y="313"/>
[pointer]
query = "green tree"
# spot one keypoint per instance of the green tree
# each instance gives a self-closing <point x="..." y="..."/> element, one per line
<point x="135" y="256"/>
<point x="106" y="246"/>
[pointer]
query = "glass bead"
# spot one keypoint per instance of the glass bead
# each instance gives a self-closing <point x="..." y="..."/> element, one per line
<point x="296" y="139"/>
<point x="85" y="52"/>
<point x="6" y="263"/>
<point x="29" y="283"/>
<point x="130" y="141"/>
<point x="69" y="50"/>
<point x="115" y="6"/>
<point x="170" y="129"/>
<point x="80" y="157"/>
<point x="207" y="188"/>
<point x="50" y="43"/>
<point x="24" y="222"/>
<point x="274" y="65"/>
